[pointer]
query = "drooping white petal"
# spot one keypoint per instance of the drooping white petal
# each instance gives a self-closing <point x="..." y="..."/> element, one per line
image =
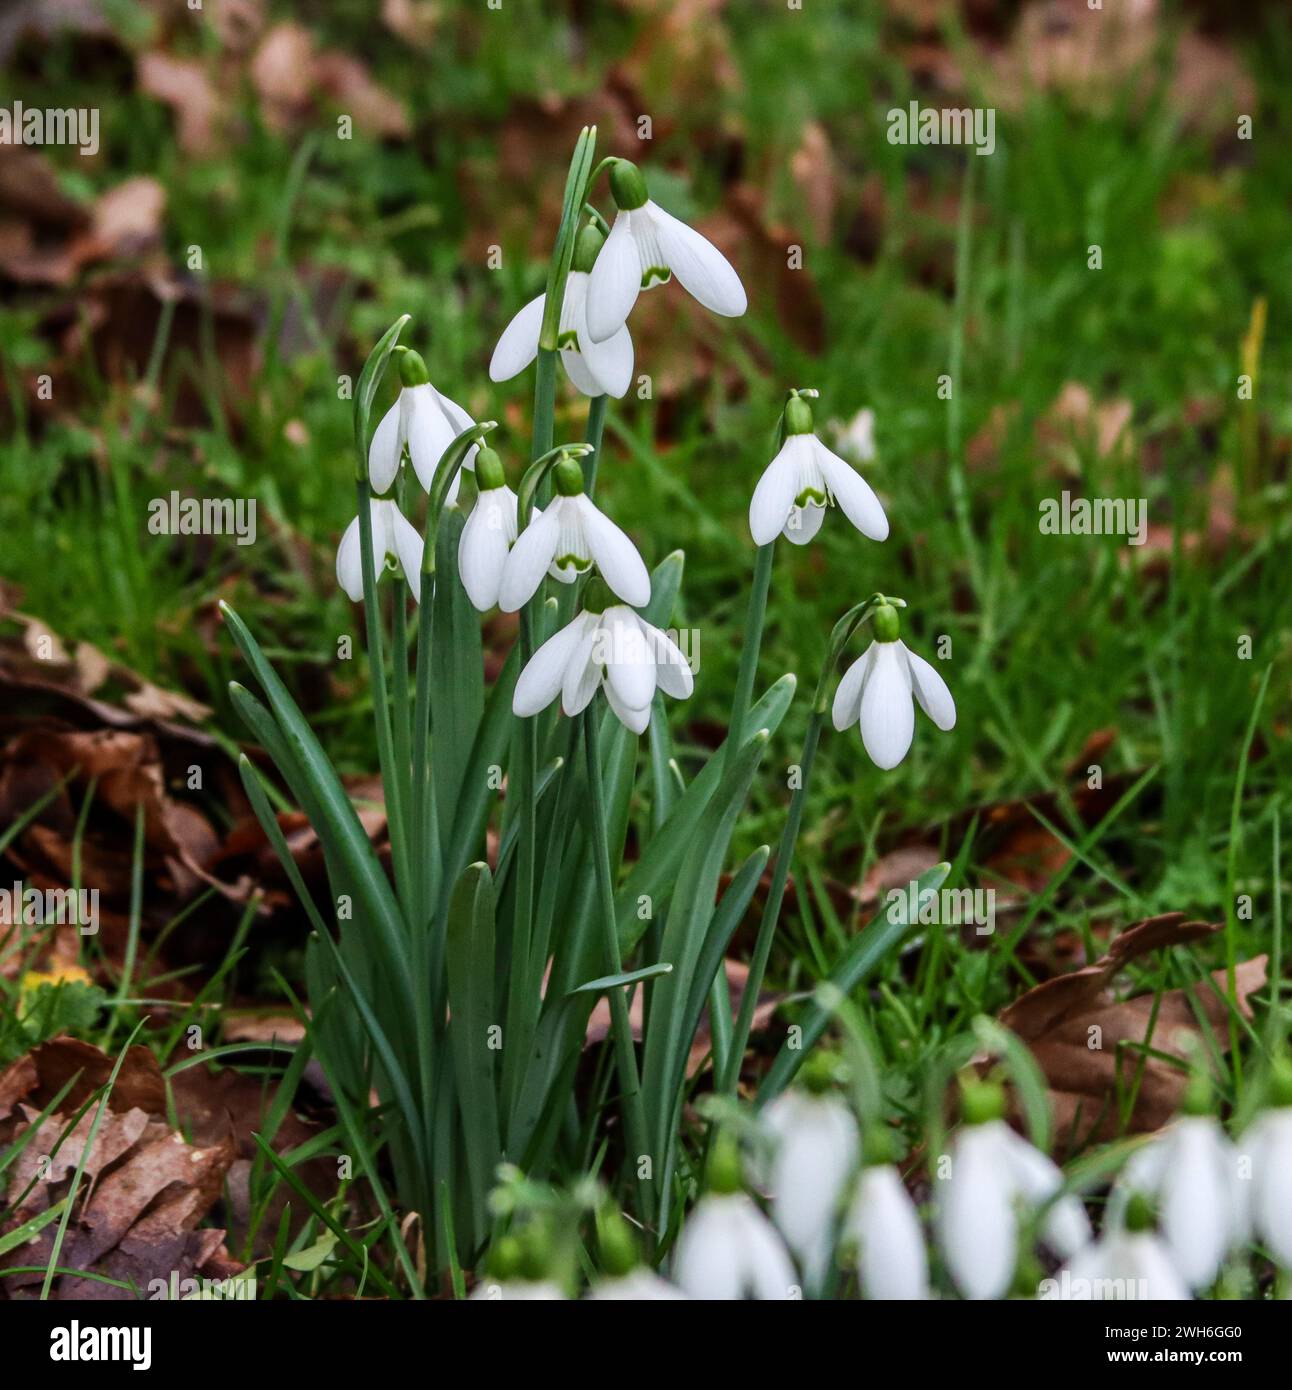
<point x="976" y="1223"/>
<point x="887" y="713"/>
<point x="803" y="523"/>
<point x="775" y="492"/>
<point x="930" y="690"/>
<point x="485" y="541"/>
<point x="583" y="673"/>
<point x="614" y="281"/>
<point x="847" y="699"/>
<point x="1066" y="1227"/>
<point x="541" y="680"/>
<point x="883" y="1222"/>
<point x="408" y="546"/>
<point x="529" y="559"/>
<point x="427" y="430"/>
<point x="769" y="1275"/>
<point x="613" y="553"/>
<point x="1267" y="1144"/>
<point x="816" y="1150"/>
<point x="1121" y="1265"/>
<point x="635" y="720"/>
<point x="349" y="563"/>
<point x="458" y="420"/>
<point x="628" y="659"/>
<point x="577" y="369"/>
<point x="699" y="266"/>
<point x="611" y="361"/>
<point x="518" y="345"/>
<point x="728" y="1250"/>
<point x="852" y="492"/>
<point x="1196" y="1210"/>
<point x="385" y="450"/>
<point x="672" y="670"/>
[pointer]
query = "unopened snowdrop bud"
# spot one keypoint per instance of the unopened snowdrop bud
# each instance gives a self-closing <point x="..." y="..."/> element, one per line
<point x="596" y="368"/>
<point x="875" y="693"/>
<point x="1127" y="1261"/>
<point x="815" y="1139"/>
<point x="395" y="543"/>
<point x="646" y="246"/>
<point x="1267" y="1145"/>
<point x="802" y="480"/>
<point x="626" y="1278"/>
<point x="728" y="1249"/>
<point x="565" y="540"/>
<point x="607" y="647"/>
<point x="1190" y="1169"/>
<point x="883" y="1225"/>
<point x="993" y="1172"/>
<point x="421" y="419"/>
<point x="488" y="534"/>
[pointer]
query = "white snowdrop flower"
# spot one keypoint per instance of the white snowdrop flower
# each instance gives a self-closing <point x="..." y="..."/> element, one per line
<point x="516" y="1291"/>
<point x="1266" y="1145"/>
<point x="423" y="419"/>
<point x="815" y="1139"/>
<point x="883" y="1225"/>
<point x="566" y="540"/>
<point x="856" y="439"/>
<point x="596" y="368"/>
<point x="1190" y="1170"/>
<point x="394" y="540"/>
<point x="802" y="480"/>
<point x="646" y="245"/>
<point x="609" y="648"/>
<point x="728" y="1249"/>
<point x="992" y="1172"/>
<point x="1124" y="1263"/>
<point x="637" y="1286"/>
<point x="876" y="694"/>
<point x="488" y="534"/>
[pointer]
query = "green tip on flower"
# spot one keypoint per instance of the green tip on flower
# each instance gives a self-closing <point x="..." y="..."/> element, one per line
<point x="618" y="1245"/>
<point x="982" y="1102"/>
<point x="505" y="1257"/>
<point x="1140" y="1215"/>
<point x="821" y="1072"/>
<point x="1281" y="1083"/>
<point x="596" y="596"/>
<point x="587" y="247"/>
<point x="878" y="1147"/>
<point x="627" y="186"/>
<point x="798" y="416"/>
<point x="569" y="477"/>
<point x="887" y="625"/>
<point x="1198" y="1094"/>
<point x="412" y="369"/>
<point x="535" y="1252"/>
<point x="724" y="1173"/>
<point x="489" y="469"/>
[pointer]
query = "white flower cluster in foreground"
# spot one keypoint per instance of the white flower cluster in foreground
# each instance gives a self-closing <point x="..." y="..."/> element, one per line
<point x="1184" y="1203"/>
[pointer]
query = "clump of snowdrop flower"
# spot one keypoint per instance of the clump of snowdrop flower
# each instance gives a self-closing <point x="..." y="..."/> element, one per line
<point x="1128" y="1261"/>
<point x="394" y="541"/>
<point x="596" y="368"/>
<point x="627" y="1279"/>
<point x="645" y="247"/>
<point x="815" y="1144"/>
<point x="728" y="1249"/>
<point x="422" y="419"/>
<point x="876" y="692"/>
<point x="607" y="647"/>
<point x="1266" y="1144"/>
<point x="993" y="1172"/>
<point x="802" y="480"/>
<point x="488" y="534"/>
<point x="565" y="540"/>
<point x="1190" y="1170"/>
<point x="882" y="1224"/>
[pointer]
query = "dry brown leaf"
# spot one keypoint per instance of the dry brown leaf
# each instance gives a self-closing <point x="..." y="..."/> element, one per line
<point x="1074" y="1024"/>
<point x="186" y="87"/>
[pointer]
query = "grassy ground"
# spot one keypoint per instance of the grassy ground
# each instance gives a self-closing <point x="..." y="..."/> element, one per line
<point x="975" y="267"/>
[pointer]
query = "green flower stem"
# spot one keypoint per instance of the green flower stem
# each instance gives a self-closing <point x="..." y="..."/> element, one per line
<point x="390" y="775"/>
<point x="719" y="994"/>
<point x="625" y="1055"/>
<point x="596" y="424"/>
